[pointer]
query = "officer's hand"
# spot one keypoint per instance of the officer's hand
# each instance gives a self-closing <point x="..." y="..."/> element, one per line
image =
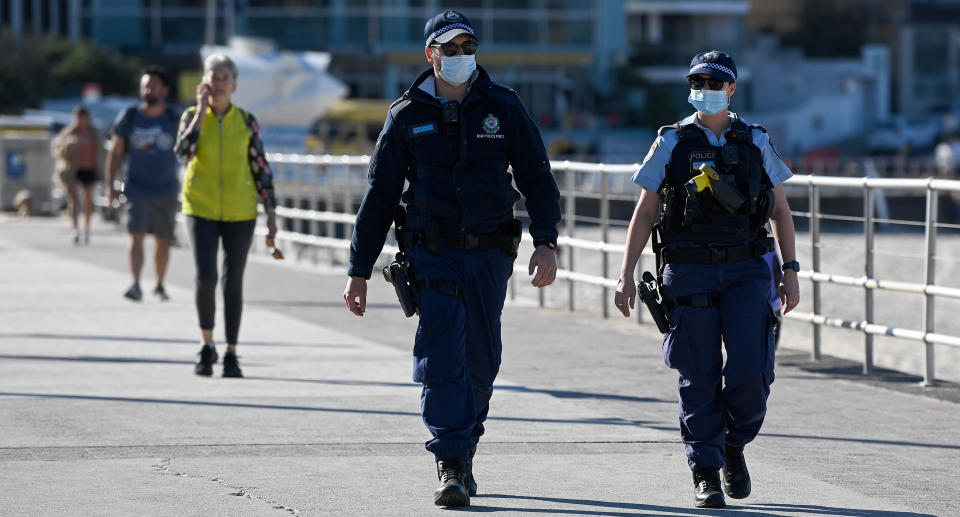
<point x="544" y="260"/>
<point x="355" y="294"/>
<point x="625" y="295"/>
<point x="789" y="291"/>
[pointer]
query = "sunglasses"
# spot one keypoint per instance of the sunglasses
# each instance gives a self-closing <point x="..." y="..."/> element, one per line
<point x="450" y="48"/>
<point x="697" y="83"/>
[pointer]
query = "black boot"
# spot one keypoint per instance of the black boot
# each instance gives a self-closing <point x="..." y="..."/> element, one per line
<point x="707" y="492"/>
<point x="471" y="483"/>
<point x="736" y="479"/>
<point x="208" y="356"/>
<point x="451" y="491"/>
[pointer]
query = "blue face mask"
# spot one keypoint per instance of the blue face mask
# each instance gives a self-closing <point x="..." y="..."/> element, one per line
<point x="456" y="70"/>
<point x="708" y="102"/>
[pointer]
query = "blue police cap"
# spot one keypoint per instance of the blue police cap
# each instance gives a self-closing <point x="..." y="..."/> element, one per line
<point x="716" y="64"/>
<point x="446" y="26"/>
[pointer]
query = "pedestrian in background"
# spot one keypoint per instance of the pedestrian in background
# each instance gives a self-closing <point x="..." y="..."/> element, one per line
<point x="77" y="150"/>
<point x="226" y="171"/>
<point x="710" y="242"/>
<point x="144" y="134"/>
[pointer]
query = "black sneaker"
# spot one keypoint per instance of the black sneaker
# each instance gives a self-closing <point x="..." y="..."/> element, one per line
<point x="471" y="483"/>
<point x="231" y="367"/>
<point x="451" y="491"/>
<point x="161" y="293"/>
<point x="707" y="492"/>
<point x="208" y="356"/>
<point x="735" y="478"/>
<point x="134" y="293"/>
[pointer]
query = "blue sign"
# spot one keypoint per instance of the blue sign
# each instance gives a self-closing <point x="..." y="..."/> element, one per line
<point x="16" y="167"/>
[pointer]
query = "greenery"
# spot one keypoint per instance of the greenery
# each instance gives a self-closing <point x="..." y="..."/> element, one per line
<point x="39" y="67"/>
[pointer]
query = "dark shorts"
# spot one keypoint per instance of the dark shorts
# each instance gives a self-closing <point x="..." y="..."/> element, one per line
<point x="152" y="214"/>
<point x="86" y="176"/>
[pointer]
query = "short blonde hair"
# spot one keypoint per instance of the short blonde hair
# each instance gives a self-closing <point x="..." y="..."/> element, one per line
<point x="214" y="60"/>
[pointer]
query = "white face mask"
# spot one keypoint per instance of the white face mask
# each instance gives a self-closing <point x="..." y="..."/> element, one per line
<point x="709" y="102"/>
<point x="456" y="70"/>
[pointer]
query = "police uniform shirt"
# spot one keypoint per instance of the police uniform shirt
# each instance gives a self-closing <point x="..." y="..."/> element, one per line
<point x="651" y="173"/>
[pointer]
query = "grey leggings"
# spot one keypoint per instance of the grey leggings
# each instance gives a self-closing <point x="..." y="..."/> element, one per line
<point x="205" y="237"/>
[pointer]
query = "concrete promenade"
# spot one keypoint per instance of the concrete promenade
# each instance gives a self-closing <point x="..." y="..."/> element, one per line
<point x="101" y="414"/>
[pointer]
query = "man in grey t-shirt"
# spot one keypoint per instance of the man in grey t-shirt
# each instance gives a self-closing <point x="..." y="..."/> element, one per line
<point x="145" y="134"/>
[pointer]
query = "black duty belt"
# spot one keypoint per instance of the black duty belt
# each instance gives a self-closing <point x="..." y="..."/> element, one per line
<point x="715" y="255"/>
<point x="407" y="239"/>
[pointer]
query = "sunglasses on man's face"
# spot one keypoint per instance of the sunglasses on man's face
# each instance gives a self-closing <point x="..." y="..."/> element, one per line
<point x="450" y="48"/>
<point x="697" y="83"/>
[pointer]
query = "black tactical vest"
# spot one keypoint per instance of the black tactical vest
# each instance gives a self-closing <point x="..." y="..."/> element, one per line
<point x="739" y="162"/>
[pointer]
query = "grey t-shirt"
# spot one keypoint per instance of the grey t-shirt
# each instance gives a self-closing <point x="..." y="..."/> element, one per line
<point x="151" y="164"/>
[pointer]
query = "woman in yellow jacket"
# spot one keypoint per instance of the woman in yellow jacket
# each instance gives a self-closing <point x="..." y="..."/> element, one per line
<point x="226" y="171"/>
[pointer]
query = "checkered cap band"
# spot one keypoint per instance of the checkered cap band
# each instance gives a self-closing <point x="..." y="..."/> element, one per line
<point x="446" y="28"/>
<point x="714" y="66"/>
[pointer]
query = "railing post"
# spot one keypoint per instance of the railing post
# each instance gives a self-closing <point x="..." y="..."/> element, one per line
<point x="571" y="209"/>
<point x="868" y="271"/>
<point x="328" y="202"/>
<point x="605" y="237"/>
<point x="930" y="278"/>
<point x="815" y="251"/>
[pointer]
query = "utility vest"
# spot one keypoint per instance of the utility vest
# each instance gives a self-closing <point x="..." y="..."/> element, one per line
<point x="704" y="221"/>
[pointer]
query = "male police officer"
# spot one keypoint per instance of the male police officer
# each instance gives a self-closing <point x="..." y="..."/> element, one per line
<point x="452" y="136"/>
<point x="718" y="182"/>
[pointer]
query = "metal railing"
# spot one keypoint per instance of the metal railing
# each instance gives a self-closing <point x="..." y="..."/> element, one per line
<point x="321" y="194"/>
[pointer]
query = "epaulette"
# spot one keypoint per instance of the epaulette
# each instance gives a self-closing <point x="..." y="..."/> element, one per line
<point x="503" y="87"/>
<point x="399" y="104"/>
<point x="664" y="129"/>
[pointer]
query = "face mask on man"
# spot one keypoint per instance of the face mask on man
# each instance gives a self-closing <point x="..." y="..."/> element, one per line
<point x="708" y="102"/>
<point x="456" y="70"/>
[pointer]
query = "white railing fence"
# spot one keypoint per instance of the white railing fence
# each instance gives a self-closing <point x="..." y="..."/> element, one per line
<point x="320" y="195"/>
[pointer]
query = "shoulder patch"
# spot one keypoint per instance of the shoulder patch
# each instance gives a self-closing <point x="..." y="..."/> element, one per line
<point x="651" y="152"/>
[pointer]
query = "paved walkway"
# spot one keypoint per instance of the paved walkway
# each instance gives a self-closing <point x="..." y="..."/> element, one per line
<point x="100" y="412"/>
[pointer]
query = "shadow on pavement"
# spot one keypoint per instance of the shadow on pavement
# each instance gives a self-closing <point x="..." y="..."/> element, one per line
<point x="863" y="440"/>
<point x="589" y="421"/>
<point x="314" y="303"/>
<point x="562" y="394"/>
<point x="651" y="509"/>
<point x="93" y="359"/>
<point x="177" y="341"/>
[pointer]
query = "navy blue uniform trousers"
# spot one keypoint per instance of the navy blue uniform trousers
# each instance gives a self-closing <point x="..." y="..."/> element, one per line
<point x="720" y="403"/>
<point x="456" y="354"/>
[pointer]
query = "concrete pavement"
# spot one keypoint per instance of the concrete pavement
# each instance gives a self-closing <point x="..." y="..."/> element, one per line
<point x="100" y="412"/>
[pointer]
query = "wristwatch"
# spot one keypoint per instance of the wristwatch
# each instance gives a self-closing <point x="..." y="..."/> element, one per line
<point x="545" y="242"/>
<point x="793" y="264"/>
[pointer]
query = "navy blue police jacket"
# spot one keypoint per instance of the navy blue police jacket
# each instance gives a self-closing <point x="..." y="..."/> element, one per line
<point x="457" y="173"/>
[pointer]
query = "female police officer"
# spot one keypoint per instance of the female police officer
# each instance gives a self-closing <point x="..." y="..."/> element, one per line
<point x="717" y="181"/>
<point x="452" y="136"/>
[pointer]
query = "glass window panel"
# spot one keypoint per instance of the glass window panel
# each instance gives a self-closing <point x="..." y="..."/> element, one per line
<point x="515" y="31"/>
